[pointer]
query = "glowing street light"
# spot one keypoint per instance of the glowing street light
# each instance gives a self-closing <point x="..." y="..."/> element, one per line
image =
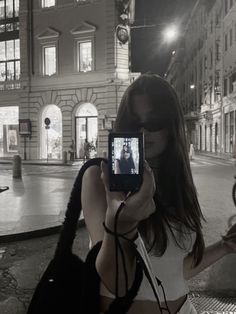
<point x="171" y="33"/>
<point x="192" y="86"/>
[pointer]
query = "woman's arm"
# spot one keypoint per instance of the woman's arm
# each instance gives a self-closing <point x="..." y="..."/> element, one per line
<point x="211" y="254"/>
<point x="99" y="204"/>
<point x="94" y="206"/>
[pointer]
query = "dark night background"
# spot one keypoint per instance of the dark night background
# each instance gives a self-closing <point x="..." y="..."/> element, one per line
<point x="148" y="52"/>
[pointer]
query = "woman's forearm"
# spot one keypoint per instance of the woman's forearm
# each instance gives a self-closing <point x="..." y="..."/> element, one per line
<point x="211" y="254"/>
<point x="106" y="264"/>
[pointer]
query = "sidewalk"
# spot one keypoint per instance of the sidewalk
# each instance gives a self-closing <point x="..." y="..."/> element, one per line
<point x="35" y="204"/>
<point x="26" y="210"/>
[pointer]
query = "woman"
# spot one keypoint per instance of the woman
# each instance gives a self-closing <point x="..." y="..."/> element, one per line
<point x="165" y="211"/>
<point x="125" y="165"/>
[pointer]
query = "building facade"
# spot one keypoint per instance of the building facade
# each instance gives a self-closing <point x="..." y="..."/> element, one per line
<point x="62" y="74"/>
<point x="203" y="71"/>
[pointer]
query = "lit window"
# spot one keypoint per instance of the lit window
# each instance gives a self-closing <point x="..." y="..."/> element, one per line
<point x="84" y="53"/>
<point x="48" y="3"/>
<point x="49" y="60"/>
<point x="2" y="9"/>
<point x="16" y="7"/>
<point x="9" y="9"/>
<point x="10" y="60"/>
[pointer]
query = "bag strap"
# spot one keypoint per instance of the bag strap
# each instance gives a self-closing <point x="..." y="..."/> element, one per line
<point x="68" y="231"/>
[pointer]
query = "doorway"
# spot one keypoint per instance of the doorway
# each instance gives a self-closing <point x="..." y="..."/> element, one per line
<point x="51" y="136"/>
<point x="86" y="128"/>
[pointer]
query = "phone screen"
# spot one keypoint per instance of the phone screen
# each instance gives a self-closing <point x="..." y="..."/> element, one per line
<point x="125" y="160"/>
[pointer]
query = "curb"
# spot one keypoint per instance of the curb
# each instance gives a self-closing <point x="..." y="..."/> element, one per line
<point x="35" y="233"/>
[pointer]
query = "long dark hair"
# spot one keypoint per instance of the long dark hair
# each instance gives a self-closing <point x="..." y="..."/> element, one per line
<point x="176" y="197"/>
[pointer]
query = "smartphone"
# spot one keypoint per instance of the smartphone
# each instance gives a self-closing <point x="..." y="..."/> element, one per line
<point x="125" y="161"/>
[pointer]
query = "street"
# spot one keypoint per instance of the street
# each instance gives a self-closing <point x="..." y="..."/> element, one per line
<point x="22" y="262"/>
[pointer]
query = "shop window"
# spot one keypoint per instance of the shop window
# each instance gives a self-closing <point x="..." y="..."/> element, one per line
<point x="49" y="60"/>
<point x="85" y="56"/>
<point x="9" y="138"/>
<point x="48" y="3"/>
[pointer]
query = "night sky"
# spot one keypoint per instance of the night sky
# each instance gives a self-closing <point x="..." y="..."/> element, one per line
<point x="149" y="52"/>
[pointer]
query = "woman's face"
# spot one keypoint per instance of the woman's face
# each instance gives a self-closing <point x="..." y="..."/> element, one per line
<point x="155" y="141"/>
<point x="126" y="155"/>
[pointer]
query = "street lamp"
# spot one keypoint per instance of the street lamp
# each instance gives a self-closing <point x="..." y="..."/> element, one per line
<point x="171" y="33"/>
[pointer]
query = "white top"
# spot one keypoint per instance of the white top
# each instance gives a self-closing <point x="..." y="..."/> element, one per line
<point x="168" y="268"/>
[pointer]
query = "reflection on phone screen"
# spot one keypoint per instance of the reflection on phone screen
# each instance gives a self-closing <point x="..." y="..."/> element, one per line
<point x="125" y="155"/>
